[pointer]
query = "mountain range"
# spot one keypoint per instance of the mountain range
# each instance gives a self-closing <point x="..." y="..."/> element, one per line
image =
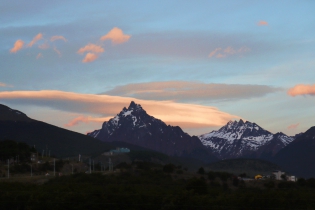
<point x="134" y="125"/>
<point x="244" y="139"/>
<point x="237" y="139"/>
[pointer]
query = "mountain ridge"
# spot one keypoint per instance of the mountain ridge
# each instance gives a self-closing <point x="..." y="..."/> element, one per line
<point x="134" y="125"/>
<point x="244" y="139"/>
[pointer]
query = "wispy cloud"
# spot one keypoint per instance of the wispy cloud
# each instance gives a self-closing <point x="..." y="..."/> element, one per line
<point x="215" y="52"/>
<point x="44" y="46"/>
<point x="35" y="39"/>
<point x="262" y="23"/>
<point x="39" y="55"/>
<point x="185" y="91"/>
<point x="85" y="119"/>
<point x="293" y="127"/>
<point x="116" y="35"/>
<point x="222" y="53"/>
<point x="5" y="85"/>
<point x="57" y="51"/>
<point x="18" y="45"/>
<point x="302" y="89"/>
<point x="186" y="115"/>
<point x="54" y="38"/>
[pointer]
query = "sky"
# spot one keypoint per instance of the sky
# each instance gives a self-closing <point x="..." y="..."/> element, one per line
<point x="195" y="64"/>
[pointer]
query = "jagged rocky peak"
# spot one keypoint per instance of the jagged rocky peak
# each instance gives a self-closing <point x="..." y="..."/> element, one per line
<point x="238" y="138"/>
<point x="135" y="106"/>
<point x="240" y="125"/>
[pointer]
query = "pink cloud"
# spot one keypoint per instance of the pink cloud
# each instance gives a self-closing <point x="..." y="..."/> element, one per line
<point x="39" y="55"/>
<point x="116" y="35"/>
<point x="182" y="114"/>
<point x="262" y="23"/>
<point x="229" y="50"/>
<point x="222" y="53"/>
<point x="57" y="51"/>
<point x="17" y="46"/>
<point x="4" y="85"/>
<point x="54" y="38"/>
<point x="302" y="89"/>
<point x="44" y="46"/>
<point x="214" y="52"/>
<point x="35" y="39"/>
<point x="85" y="119"/>
<point x="91" y="48"/>
<point x="89" y="57"/>
<point x="294" y="126"/>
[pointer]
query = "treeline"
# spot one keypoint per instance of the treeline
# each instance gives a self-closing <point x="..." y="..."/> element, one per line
<point x="143" y="185"/>
<point x="15" y="150"/>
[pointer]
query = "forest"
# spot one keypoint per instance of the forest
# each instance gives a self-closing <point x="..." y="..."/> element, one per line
<point x="152" y="186"/>
<point x="141" y="184"/>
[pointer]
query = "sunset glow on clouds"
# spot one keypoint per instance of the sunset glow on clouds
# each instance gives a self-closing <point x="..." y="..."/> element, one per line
<point x="186" y="115"/>
<point x="302" y="90"/>
<point x="5" y="85"/>
<point x="89" y="57"/>
<point x="116" y="35"/>
<point x="86" y="119"/>
<point x="35" y="39"/>
<point x="190" y="91"/>
<point x="93" y="51"/>
<point x="222" y="53"/>
<point x="294" y="126"/>
<point x="244" y="59"/>
<point x="39" y="55"/>
<point x="54" y="38"/>
<point x="91" y="48"/>
<point x="18" y="45"/>
<point x="262" y="23"/>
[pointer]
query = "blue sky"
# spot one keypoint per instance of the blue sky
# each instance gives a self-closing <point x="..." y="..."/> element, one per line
<point x="208" y="61"/>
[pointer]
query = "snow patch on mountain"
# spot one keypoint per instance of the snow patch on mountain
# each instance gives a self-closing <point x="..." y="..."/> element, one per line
<point x="236" y="139"/>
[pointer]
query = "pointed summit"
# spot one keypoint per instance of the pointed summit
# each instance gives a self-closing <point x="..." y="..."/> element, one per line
<point x="134" y="106"/>
<point x="241" y="122"/>
<point x="135" y="126"/>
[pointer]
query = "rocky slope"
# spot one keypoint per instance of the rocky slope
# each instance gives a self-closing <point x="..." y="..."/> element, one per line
<point x="244" y="139"/>
<point x="133" y="125"/>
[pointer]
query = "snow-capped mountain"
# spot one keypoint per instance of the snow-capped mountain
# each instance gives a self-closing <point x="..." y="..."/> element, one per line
<point x="135" y="126"/>
<point x="244" y="139"/>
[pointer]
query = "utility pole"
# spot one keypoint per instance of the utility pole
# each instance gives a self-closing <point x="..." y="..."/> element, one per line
<point x="43" y="154"/>
<point x="90" y="165"/>
<point x="72" y="168"/>
<point x="8" y="168"/>
<point x="49" y="153"/>
<point x="54" y="166"/>
<point x="93" y="166"/>
<point x="31" y="170"/>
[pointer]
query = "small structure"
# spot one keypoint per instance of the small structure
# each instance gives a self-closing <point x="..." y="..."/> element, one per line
<point x="278" y="174"/>
<point x="34" y="157"/>
<point x="120" y="150"/>
<point x="258" y="176"/>
<point x="291" y="178"/>
<point x="110" y="165"/>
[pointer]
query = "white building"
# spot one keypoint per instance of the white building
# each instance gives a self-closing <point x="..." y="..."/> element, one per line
<point x="278" y="174"/>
